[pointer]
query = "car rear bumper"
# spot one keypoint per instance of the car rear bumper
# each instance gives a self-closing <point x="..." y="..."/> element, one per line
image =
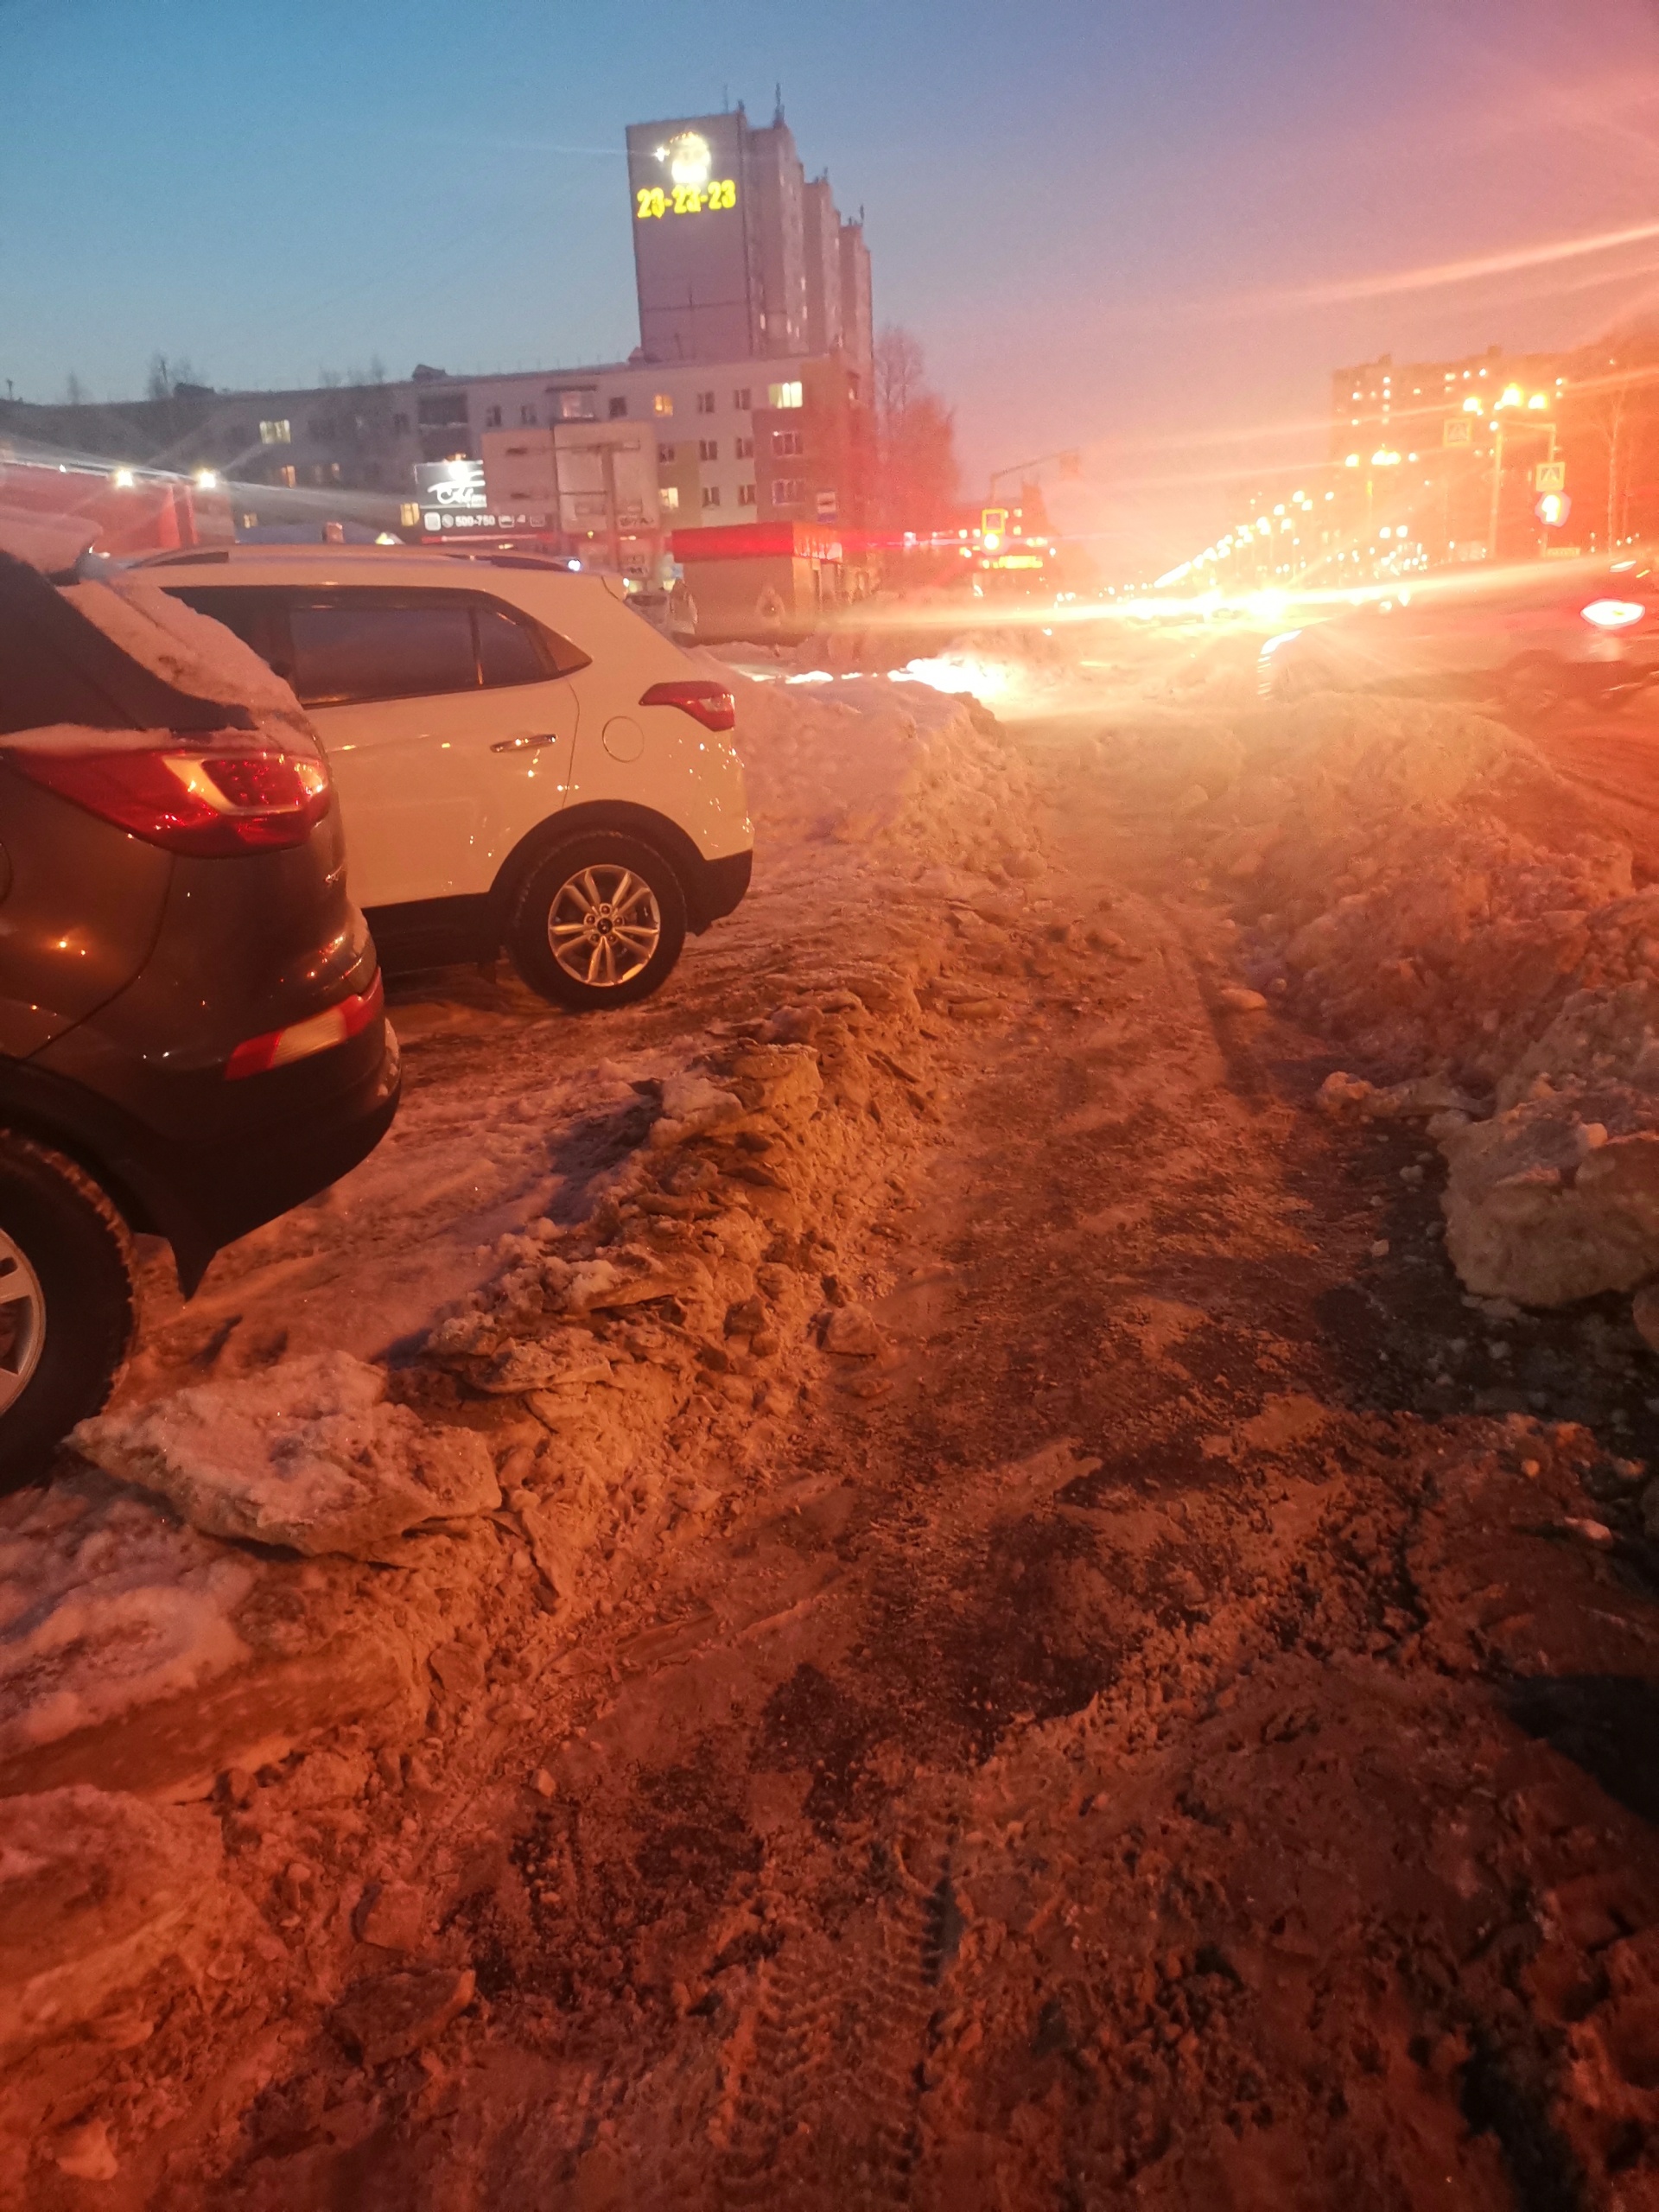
<point x="717" y="888"/>
<point x="229" y="1188"/>
<point x="260" y="1145"/>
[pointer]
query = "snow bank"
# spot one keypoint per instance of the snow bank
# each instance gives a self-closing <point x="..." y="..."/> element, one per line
<point x="1420" y="891"/>
<point x="106" y="1607"/>
<point x="617" y="1377"/>
<point x="141" y="1654"/>
<point x="866" y="761"/>
<point x="98" y="1891"/>
<point x="691" y="1297"/>
<point x="307" y="1453"/>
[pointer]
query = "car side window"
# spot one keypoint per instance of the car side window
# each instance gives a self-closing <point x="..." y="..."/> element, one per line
<point x="514" y="648"/>
<point x="508" y="651"/>
<point x="255" y="615"/>
<point x="352" y="647"/>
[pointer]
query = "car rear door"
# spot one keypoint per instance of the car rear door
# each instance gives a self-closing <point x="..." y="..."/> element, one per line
<point x="446" y="716"/>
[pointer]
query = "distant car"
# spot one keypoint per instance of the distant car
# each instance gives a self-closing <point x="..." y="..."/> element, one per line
<point x="192" y="1030"/>
<point x="521" y="759"/>
<point x="1533" y="639"/>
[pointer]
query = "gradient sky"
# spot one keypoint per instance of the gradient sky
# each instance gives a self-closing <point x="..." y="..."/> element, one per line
<point x="1139" y="227"/>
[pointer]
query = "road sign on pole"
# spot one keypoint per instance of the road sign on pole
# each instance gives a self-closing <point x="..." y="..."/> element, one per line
<point x="1549" y="476"/>
<point x="1458" y="431"/>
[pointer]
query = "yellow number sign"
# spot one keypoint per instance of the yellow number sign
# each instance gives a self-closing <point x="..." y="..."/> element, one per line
<point x="683" y="199"/>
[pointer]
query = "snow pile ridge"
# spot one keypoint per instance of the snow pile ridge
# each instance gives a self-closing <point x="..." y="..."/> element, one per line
<point x="307" y="1454"/>
<point x="104" y="1607"/>
<point x="95" y="1892"/>
<point x="867" y="760"/>
<point x="1425" y="889"/>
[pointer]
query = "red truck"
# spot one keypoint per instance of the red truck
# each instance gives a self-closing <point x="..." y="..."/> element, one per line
<point x="121" y="511"/>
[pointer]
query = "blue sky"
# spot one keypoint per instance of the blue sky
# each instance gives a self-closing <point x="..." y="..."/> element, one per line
<point x="1098" y="219"/>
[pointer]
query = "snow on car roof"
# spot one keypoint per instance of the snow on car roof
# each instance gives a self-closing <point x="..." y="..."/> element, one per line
<point x="189" y="650"/>
<point x="63" y="666"/>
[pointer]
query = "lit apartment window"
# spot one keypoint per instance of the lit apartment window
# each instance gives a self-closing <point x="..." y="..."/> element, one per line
<point x="707" y="449"/>
<point x="705" y="402"/>
<point x="669" y="498"/>
<point x="740" y="399"/>
<point x="746" y="495"/>
<point x="783" y="395"/>
<point x="787" y="441"/>
<point x="616" y="409"/>
<point x="491" y="418"/>
<point x="575" y="406"/>
<point x="665" y="454"/>
<point x="744" y="448"/>
<point x="275" y="434"/>
<point x="711" y="495"/>
<point x="663" y="402"/>
<point x="787" y="491"/>
<point x="526" y="414"/>
<point x="285" y="475"/>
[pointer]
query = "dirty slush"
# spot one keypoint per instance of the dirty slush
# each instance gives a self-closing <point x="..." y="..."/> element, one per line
<point x="1005" y="1561"/>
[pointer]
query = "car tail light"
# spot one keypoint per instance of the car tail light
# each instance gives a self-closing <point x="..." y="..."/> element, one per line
<point x="279" y="1048"/>
<point x="711" y="704"/>
<point x="223" y="794"/>
<point x="1613" y="614"/>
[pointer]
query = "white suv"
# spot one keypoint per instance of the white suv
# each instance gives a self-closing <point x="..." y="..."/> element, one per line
<point x="519" y="758"/>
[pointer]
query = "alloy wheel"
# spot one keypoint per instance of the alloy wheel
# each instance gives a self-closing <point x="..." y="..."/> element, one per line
<point x="22" y="1320"/>
<point x="604" y="924"/>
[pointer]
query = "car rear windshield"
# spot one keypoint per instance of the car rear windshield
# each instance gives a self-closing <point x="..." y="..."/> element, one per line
<point x="59" y="667"/>
<point x="351" y="645"/>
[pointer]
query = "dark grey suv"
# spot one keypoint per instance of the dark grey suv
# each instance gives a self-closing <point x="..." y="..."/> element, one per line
<point x="192" y="1031"/>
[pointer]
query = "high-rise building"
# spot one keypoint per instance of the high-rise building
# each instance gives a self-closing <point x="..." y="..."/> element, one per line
<point x="736" y="255"/>
<point x="857" y="307"/>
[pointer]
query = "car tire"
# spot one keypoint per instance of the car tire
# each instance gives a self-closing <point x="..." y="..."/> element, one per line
<point x="67" y="1302"/>
<point x="599" y="922"/>
<point x="1531" y="690"/>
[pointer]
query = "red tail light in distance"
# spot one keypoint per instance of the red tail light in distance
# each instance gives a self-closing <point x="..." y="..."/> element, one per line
<point x="711" y="704"/>
<point x="219" y="795"/>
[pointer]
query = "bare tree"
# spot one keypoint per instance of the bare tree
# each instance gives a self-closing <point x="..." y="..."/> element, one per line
<point x="899" y="367"/>
<point x="915" y="434"/>
<point x="167" y="376"/>
<point x="75" y="393"/>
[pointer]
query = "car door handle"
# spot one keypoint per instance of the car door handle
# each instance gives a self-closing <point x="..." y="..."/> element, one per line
<point x="523" y="744"/>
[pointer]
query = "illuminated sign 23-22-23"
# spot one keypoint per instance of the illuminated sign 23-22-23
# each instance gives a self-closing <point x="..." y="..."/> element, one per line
<point x="683" y="199"/>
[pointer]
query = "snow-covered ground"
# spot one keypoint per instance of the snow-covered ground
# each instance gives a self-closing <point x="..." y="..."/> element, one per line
<point x="591" y="1256"/>
<point x="1422" y="887"/>
<point x="905" y="1575"/>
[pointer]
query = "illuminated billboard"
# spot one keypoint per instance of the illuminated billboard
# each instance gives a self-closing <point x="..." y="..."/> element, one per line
<point x="456" y="485"/>
<point x="687" y="189"/>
